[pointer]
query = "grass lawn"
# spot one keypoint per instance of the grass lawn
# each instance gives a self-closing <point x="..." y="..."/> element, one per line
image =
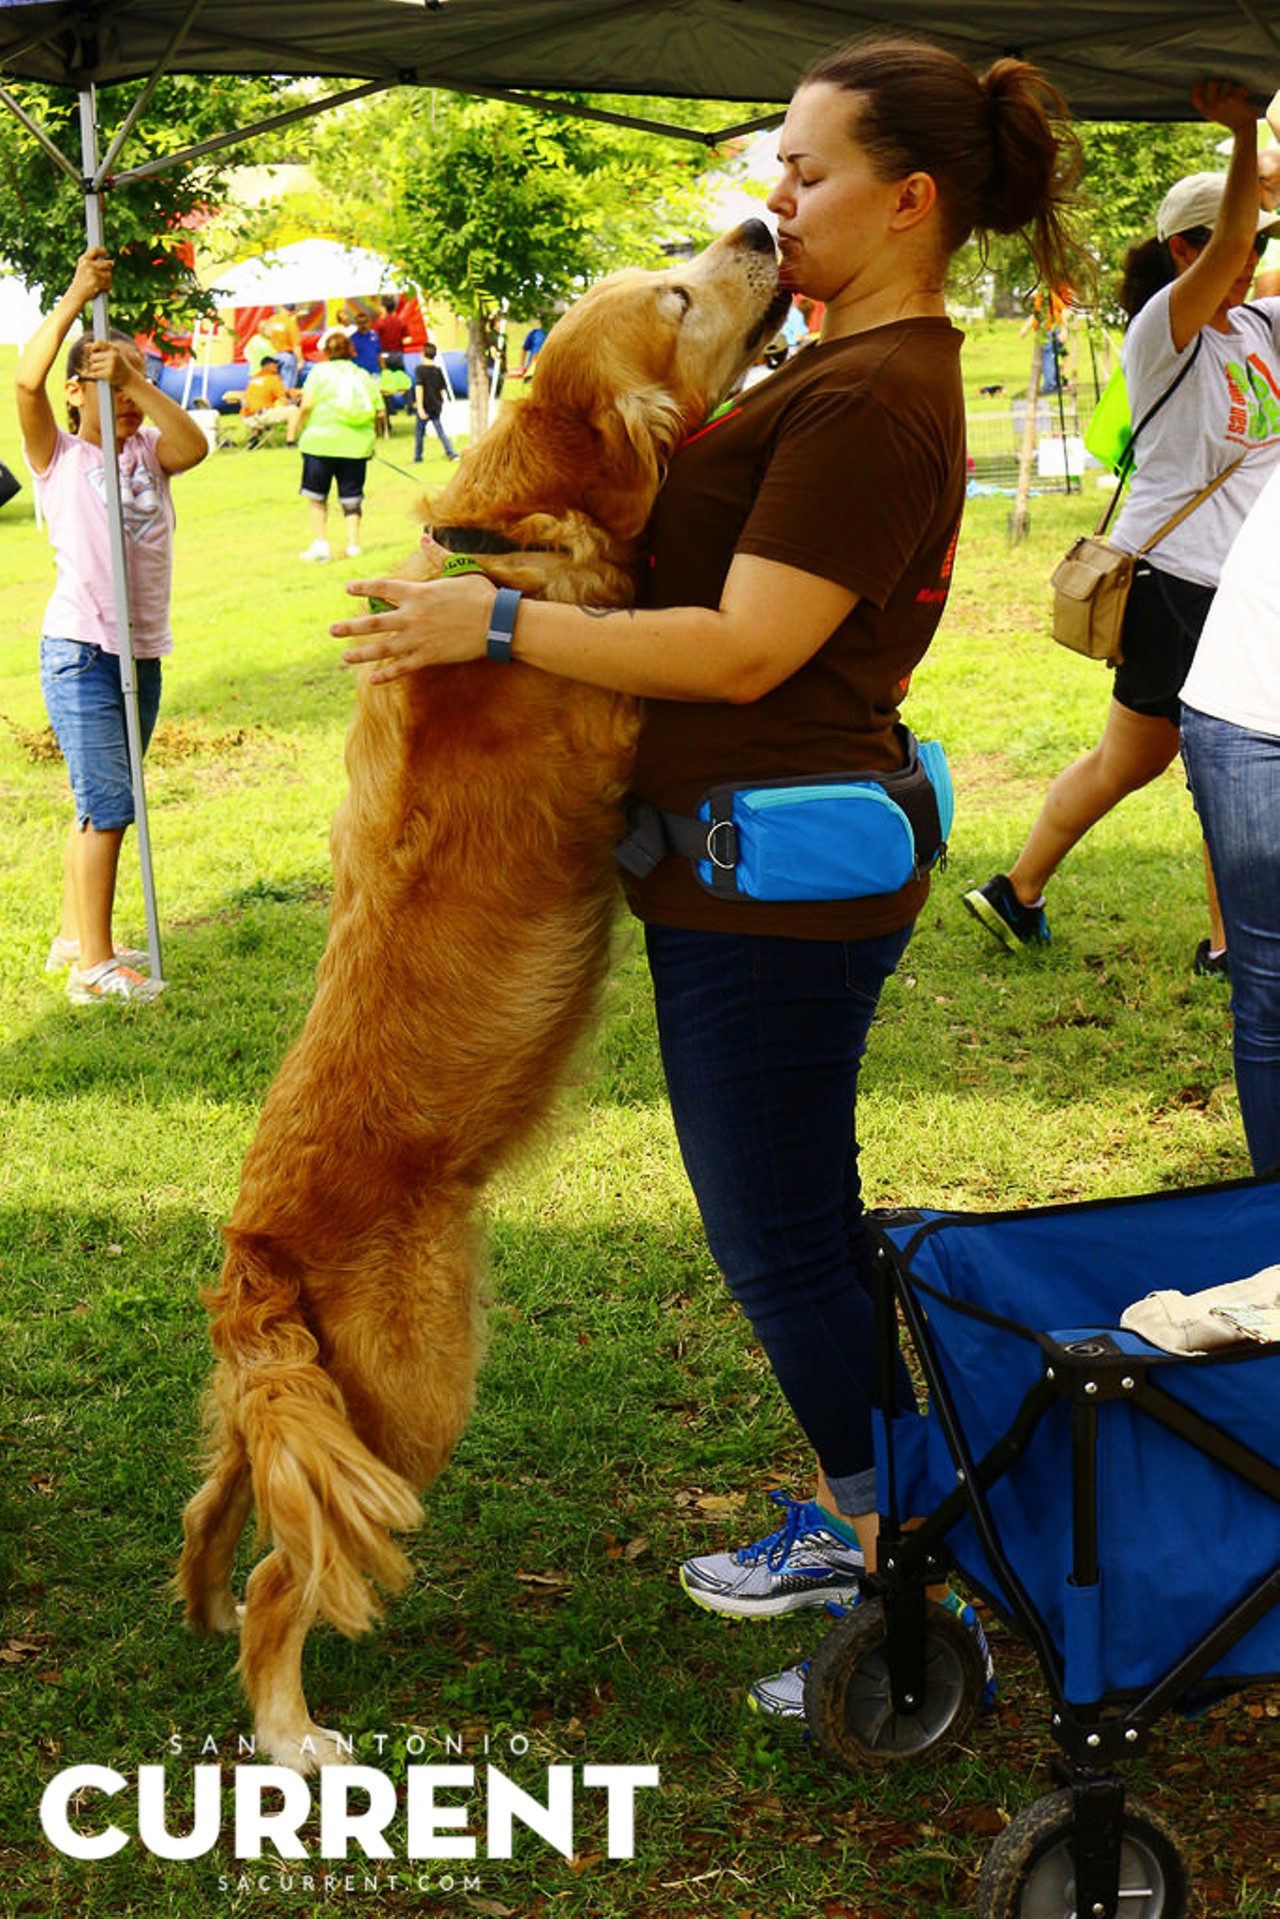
<point x="625" y="1419"/>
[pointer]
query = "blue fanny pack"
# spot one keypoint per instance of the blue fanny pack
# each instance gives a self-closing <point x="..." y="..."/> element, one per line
<point x="840" y="836"/>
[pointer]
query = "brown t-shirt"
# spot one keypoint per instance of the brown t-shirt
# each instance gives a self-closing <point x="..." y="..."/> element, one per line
<point x="847" y="463"/>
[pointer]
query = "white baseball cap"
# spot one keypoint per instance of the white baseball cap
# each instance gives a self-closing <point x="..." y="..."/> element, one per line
<point x="1195" y="201"/>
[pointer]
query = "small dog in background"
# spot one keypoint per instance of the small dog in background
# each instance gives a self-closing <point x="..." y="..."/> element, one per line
<point x="473" y="902"/>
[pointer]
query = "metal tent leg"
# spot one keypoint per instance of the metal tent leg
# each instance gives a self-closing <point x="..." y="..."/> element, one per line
<point x="115" y="524"/>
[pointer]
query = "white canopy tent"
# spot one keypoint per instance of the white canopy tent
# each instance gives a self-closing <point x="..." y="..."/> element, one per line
<point x="304" y="270"/>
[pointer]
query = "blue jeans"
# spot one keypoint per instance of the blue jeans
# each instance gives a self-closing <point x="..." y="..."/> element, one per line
<point x="761" y="1043"/>
<point x="85" y="703"/>
<point x="420" y="433"/>
<point x="1235" y="783"/>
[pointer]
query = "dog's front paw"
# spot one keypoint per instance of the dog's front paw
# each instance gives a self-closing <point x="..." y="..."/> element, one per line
<point x="215" y="1612"/>
<point x="307" y="1750"/>
<point x="225" y="1613"/>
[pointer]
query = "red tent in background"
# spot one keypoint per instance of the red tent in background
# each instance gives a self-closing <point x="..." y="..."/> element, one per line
<point x="312" y="321"/>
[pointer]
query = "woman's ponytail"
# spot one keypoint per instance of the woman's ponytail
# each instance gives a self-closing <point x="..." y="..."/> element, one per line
<point x="1148" y="266"/>
<point x="999" y="149"/>
<point x="1036" y="164"/>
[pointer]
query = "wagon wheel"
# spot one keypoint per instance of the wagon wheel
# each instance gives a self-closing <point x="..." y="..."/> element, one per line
<point x="1029" y="1872"/>
<point x="848" y="1700"/>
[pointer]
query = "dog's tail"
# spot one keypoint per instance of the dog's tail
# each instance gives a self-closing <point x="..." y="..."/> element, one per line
<point x="323" y="1499"/>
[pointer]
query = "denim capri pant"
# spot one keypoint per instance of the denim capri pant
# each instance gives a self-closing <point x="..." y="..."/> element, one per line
<point x="85" y="703"/>
<point x="322" y="470"/>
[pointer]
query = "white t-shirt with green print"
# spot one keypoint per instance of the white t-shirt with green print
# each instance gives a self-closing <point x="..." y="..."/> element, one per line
<point x="1226" y="407"/>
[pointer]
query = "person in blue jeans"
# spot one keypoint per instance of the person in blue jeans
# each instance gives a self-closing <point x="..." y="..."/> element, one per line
<point x="1231" y="750"/>
<point x="800" y="554"/>
<point x="429" y="392"/>
<point x="80" y="645"/>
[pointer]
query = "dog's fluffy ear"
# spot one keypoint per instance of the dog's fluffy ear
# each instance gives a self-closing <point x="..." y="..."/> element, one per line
<point x="641" y="430"/>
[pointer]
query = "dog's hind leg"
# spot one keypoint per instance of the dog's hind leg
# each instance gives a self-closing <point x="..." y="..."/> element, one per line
<point x="273" y="1631"/>
<point x="406" y="1361"/>
<point x="212" y="1525"/>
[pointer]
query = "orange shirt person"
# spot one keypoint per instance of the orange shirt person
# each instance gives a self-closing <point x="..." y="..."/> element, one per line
<point x="286" y="341"/>
<point x="265" y="389"/>
<point x="267" y="398"/>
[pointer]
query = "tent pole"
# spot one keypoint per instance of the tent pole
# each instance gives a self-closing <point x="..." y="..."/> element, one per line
<point x="38" y="134"/>
<point x="115" y="527"/>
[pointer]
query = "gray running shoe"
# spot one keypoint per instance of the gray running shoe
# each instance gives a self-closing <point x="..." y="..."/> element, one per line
<point x="780" y="1695"/>
<point x="805" y="1563"/>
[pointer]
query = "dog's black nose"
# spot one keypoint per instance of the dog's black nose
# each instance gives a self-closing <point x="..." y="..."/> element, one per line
<point x="756" y="235"/>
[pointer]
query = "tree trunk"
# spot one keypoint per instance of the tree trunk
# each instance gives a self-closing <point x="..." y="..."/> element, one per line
<point x="477" y="374"/>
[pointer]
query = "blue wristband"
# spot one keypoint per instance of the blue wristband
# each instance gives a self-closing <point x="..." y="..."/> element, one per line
<point x="502" y="622"/>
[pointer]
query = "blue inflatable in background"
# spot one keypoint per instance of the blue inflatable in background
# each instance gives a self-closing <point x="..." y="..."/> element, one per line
<point x="210" y="385"/>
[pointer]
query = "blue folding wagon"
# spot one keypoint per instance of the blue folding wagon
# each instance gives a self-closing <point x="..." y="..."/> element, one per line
<point x="1117" y="1505"/>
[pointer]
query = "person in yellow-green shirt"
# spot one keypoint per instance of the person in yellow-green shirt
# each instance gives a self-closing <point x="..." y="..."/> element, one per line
<point x="339" y="414"/>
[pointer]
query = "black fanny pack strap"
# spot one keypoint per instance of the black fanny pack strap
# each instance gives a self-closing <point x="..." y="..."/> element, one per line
<point x="653" y="834"/>
<point x="913" y="790"/>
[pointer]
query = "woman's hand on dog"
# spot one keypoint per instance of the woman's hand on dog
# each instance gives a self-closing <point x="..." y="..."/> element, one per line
<point x="422" y="623"/>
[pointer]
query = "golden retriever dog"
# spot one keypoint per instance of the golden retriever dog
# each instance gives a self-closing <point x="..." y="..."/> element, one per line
<point x="470" y="930"/>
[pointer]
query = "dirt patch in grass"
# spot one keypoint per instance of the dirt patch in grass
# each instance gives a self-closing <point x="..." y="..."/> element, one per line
<point x="986" y="776"/>
<point x="178" y="740"/>
<point x="172" y="742"/>
<point x="34" y="743"/>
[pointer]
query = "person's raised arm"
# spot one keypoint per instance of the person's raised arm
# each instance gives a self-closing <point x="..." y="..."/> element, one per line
<point x="36" y="419"/>
<point x="1200" y="291"/>
<point x="182" y="443"/>
<point x="770" y="620"/>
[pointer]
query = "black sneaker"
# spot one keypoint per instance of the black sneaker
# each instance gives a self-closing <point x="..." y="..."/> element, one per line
<point x="1211" y="965"/>
<point x="1003" y="914"/>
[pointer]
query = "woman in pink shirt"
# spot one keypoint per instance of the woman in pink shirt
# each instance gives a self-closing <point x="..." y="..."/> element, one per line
<point x="79" y="648"/>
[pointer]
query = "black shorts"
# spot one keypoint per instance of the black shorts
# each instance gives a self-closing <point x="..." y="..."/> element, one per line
<point x="1162" y="625"/>
<point x="319" y="470"/>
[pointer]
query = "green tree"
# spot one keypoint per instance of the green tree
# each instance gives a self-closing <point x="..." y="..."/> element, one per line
<point x="42" y="211"/>
<point x="513" y="212"/>
<point x="1129" y="167"/>
<point x="500" y="209"/>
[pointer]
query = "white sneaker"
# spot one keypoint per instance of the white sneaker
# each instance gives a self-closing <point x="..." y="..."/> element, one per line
<point x="318" y="550"/>
<point x="94" y="985"/>
<point x="354" y="552"/>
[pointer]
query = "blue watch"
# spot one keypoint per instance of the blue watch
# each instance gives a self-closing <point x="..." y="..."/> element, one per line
<point x="502" y="623"/>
